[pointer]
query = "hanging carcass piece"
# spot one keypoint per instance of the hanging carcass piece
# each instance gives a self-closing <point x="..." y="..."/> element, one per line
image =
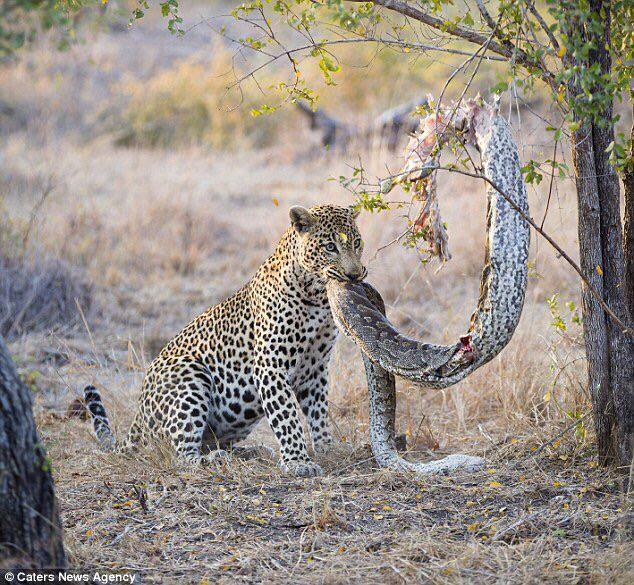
<point x="357" y="307"/>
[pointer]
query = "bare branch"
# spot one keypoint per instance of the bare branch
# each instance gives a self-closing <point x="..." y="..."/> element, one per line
<point x="548" y="238"/>
<point x="400" y="44"/>
<point x="552" y="181"/>
<point x="505" y="50"/>
<point x="571" y="426"/>
<point x="485" y="14"/>
<point x="48" y="189"/>
<point x="539" y="18"/>
<point x="333" y="131"/>
<point x="397" y="121"/>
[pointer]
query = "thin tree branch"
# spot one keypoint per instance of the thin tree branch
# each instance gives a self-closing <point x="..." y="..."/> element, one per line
<point x="48" y="189"/>
<point x="467" y="34"/>
<point x="539" y="18"/>
<point x="555" y="245"/>
<point x="550" y="187"/>
<point x="560" y="434"/>
<point x="402" y="44"/>
<point x="627" y="330"/>
<point x="485" y="14"/>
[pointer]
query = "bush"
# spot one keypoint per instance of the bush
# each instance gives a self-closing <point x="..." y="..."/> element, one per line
<point x="190" y="104"/>
<point x="39" y="294"/>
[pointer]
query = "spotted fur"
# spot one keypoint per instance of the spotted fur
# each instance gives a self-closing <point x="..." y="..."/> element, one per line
<point x="262" y="352"/>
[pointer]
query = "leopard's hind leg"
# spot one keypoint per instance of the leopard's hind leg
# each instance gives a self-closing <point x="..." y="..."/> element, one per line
<point x="180" y="404"/>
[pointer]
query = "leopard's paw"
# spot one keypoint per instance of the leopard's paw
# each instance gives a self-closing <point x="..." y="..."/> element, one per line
<point x="301" y="468"/>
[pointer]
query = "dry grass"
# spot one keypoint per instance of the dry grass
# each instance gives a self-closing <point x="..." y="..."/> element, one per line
<point x="164" y="233"/>
<point x="37" y="295"/>
<point x="189" y="103"/>
<point x="37" y="292"/>
<point x="520" y="521"/>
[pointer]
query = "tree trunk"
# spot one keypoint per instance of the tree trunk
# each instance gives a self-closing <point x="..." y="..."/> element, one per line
<point x="621" y="346"/>
<point x="609" y="350"/>
<point x="628" y="227"/>
<point x="595" y="328"/>
<point x="615" y="285"/>
<point x="30" y="528"/>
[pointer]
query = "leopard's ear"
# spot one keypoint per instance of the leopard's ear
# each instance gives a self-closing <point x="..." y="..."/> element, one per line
<point x="301" y="219"/>
<point x="355" y="211"/>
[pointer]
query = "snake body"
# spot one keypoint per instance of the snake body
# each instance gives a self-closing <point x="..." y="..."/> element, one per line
<point x="359" y="312"/>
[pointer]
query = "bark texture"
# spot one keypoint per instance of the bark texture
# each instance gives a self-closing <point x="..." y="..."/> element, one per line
<point x="621" y="346"/>
<point x="628" y="227"/>
<point x="609" y="350"/>
<point x="30" y="528"/>
<point x="595" y="328"/>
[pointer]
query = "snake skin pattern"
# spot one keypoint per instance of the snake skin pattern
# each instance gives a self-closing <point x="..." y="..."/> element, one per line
<point x="359" y="312"/>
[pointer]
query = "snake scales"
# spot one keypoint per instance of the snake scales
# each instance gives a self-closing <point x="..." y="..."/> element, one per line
<point x="359" y="310"/>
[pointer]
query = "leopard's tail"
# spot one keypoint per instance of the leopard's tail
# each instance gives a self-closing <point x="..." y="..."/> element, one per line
<point x="100" y="423"/>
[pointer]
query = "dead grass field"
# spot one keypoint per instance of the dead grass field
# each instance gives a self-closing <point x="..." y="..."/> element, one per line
<point x="163" y="233"/>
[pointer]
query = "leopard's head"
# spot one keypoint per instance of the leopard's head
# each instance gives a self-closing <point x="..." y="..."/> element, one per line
<point x="329" y="242"/>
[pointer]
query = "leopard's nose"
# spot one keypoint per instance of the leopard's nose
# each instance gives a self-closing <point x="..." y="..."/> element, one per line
<point x="356" y="274"/>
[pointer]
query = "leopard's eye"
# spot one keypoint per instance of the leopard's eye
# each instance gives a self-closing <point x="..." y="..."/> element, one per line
<point x="357" y="243"/>
<point x="330" y="247"/>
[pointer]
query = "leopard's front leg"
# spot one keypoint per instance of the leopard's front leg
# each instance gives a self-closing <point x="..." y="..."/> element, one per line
<point x="282" y="412"/>
<point x="312" y="394"/>
<point x="312" y="384"/>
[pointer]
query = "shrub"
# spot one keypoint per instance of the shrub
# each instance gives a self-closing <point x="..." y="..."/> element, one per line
<point x="191" y="104"/>
<point x="36" y="293"/>
<point x="39" y="294"/>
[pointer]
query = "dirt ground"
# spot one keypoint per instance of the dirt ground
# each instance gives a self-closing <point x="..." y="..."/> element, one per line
<point x="548" y="519"/>
<point x="159" y="234"/>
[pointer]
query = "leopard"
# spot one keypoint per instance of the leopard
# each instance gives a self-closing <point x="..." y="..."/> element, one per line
<point x="263" y="352"/>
